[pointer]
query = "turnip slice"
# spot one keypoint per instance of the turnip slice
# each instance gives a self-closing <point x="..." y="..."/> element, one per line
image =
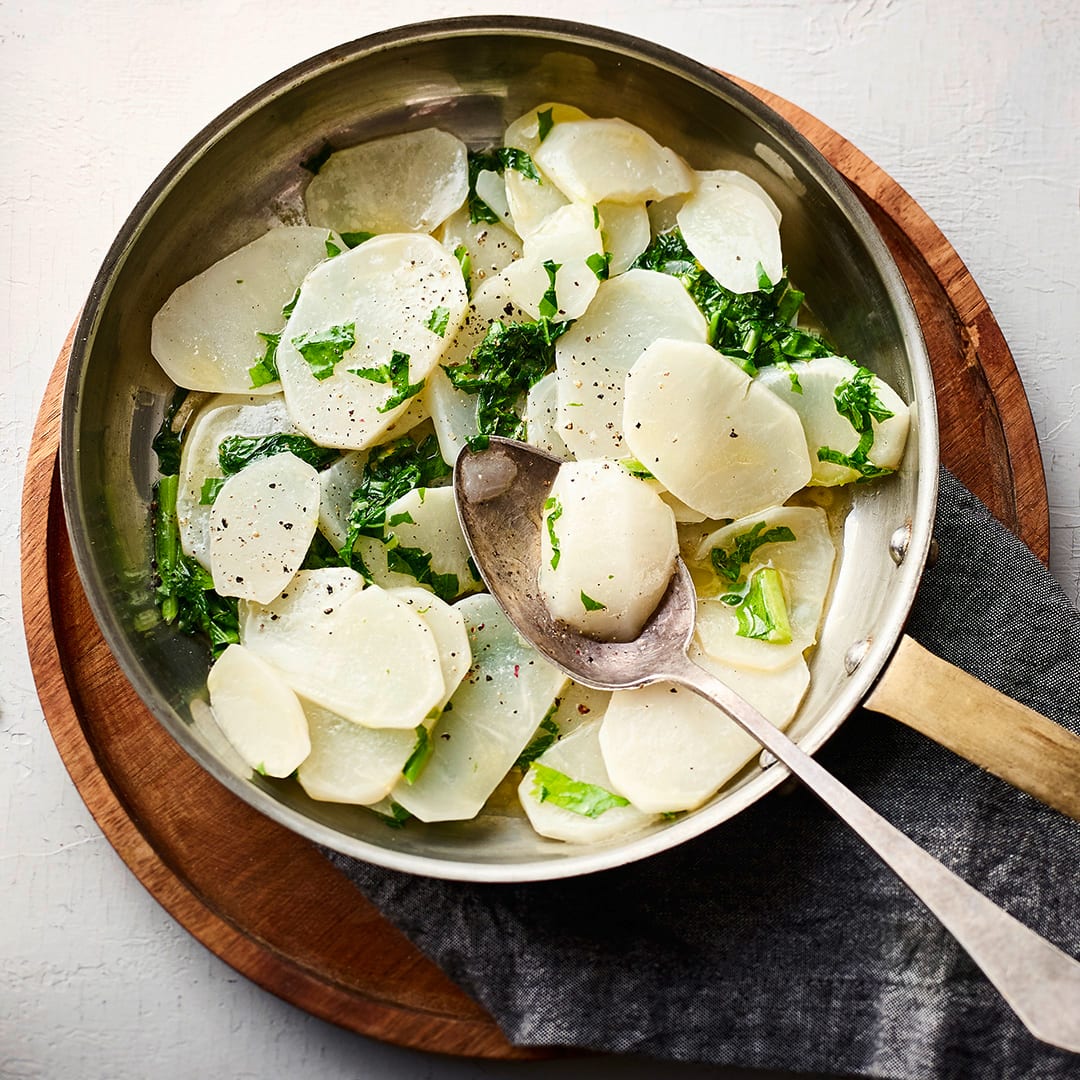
<point x="257" y="712"/>
<point x="530" y="203"/>
<point x="667" y="749"/>
<point x="577" y="756"/>
<point x="364" y="655"/>
<point x="593" y="357"/>
<point x="425" y="520"/>
<point x="350" y="763"/>
<point x="400" y="183"/>
<point x="716" y="177"/>
<point x="732" y="233"/>
<point x="494" y="712"/>
<point x="492" y="247"/>
<point x="565" y="239"/>
<point x="219" y="418"/>
<point x="387" y="295"/>
<point x="447" y="623"/>
<point x="491" y="189"/>
<point x="709" y="434"/>
<point x="805" y="565"/>
<point x="597" y="160"/>
<point x="820" y="381"/>
<point x="625" y="229"/>
<point x="607" y="549"/>
<point x="206" y="336"/>
<point x="261" y="525"/>
<point x="542" y="418"/>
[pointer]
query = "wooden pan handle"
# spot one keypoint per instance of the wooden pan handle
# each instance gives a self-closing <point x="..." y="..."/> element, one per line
<point x="977" y="722"/>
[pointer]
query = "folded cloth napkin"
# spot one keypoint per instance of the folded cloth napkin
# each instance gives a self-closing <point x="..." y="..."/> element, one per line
<point x="777" y="940"/>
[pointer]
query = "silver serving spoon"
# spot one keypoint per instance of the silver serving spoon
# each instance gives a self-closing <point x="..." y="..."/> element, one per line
<point x="500" y="493"/>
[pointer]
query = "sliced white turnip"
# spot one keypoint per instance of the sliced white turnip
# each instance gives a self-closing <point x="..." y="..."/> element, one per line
<point x="578" y="779"/>
<point x="596" y="160"/>
<point x="261" y="525"/>
<point x="447" y="623"/>
<point x="667" y="749"/>
<point x="491" y="718"/>
<point x="805" y="566"/>
<point x="492" y="191"/>
<point x="820" y="382"/>
<point x="625" y="229"/>
<point x="716" y="177"/>
<point x="607" y="549"/>
<point x="663" y="215"/>
<point x="733" y="233"/>
<point x="257" y="712"/>
<point x="593" y="357"/>
<point x="395" y="295"/>
<point x="565" y="240"/>
<point x="401" y="183"/>
<point x="492" y="247"/>
<point x="221" y="417"/>
<point x="350" y="763"/>
<point x="364" y="655"/>
<point x="530" y="203"/>
<point x="541" y="417"/>
<point x="425" y="520"/>
<point x="710" y="435"/>
<point x="207" y="335"/>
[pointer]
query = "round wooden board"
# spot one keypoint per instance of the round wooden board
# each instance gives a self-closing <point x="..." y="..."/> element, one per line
<point x="265" y="900"/>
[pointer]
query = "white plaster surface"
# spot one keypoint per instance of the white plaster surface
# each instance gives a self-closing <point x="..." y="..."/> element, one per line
<point x="973" y="106"/>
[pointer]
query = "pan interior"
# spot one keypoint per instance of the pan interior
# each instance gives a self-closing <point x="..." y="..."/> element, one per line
<point x="246" y="173"/>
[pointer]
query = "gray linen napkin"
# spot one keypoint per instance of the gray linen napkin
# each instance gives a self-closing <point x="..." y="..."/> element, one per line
<point x="777" y="940"/>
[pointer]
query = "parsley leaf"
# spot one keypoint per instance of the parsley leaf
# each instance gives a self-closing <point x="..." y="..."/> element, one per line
<point x="396" y="373"/>
<point x="461" y="253"/>
<point x="355" y="239"/>
<point x="762" y="611"/>
<point x="419" y="757"/>
<point x="209" y="490"/>
<point x="237" y="451"/>
<point x="322" y="349"/>
<point x="589" y="800"/>
<point x="287" y="310"/>
<point x="264" y="370"/>
<point x="438" y="321"/>
<point x="544" y="123"/>
<point x="635" y="468"/>
<point x="417" y="562"/>
<point x="543" y="739"/>
<point x="729" y="564"/>
<point x="502" y="368"/>
<point x="166" y="442"/>
<point x="589" y="604"/>
<point x="553" y="511"/>
<point x="331" y="248"/>
<point x="600" y="265"/>
<point x="549" y="303"/>
<point x="498" y="161"/>
<point x="857" y="402"/>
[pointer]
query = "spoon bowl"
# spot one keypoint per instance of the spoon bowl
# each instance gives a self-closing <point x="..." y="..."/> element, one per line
<point x="500" y="493"/>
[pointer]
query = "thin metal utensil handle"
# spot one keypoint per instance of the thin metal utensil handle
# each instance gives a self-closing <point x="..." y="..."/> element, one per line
<point x="1039" y="981"/>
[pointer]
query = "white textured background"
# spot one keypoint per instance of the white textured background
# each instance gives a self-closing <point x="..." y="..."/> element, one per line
<point x="973" y="107"/>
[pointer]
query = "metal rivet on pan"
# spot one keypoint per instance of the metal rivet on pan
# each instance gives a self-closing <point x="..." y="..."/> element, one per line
<point x="899" y="543"/>
<point x="855" y="655"/>
<point x="766" y="759"/>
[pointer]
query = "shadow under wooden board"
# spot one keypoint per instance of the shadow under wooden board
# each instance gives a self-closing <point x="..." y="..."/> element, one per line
<point x="262" y="898"/>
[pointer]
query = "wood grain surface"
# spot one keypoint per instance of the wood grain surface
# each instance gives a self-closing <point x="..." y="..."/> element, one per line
<point x="265" y="900"/>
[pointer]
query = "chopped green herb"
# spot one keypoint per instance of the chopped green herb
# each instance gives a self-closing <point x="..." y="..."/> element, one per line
<point x="753" y="329"/>
<point x="417" y="562"/>
<point x="856" y="461"/>
<point x="511" y="359"/>
<point x="544" y="123"/>
<point x="390" y="472"/>
<point x="764" y="282"/>
<point x="404" y="518"/>
<point x="545" y="737"/>
<point x="264" y="370"/>
<point x="419" y="757"/>
<point x="635" y="468"/>
<point x="261" y="768"/>
<point x="355" y="239"/>
<point x="237" y="451"/>
<point x="498" y="161"/>
<point x="553" y="511"/>
<point x="393" y="817"/>
<point x="792" y="374"/>
<point x="209" y="490"/>
<point x="461" y="253"/>
<point x="287" y="310"/>
<point x="596" y="216"/>
<point x="331" y="248"/>
<point x="320" y="553"/>
<point x="396" y="373"/>
<point x="589" y="604"/>
<point x="589" y="800"/>
<point x="762" y="613"/>
<point x="438" y="321"/>
<point x="858" y="403"/>
<point x="323" y="349"/>
<point x="600" y="265"/>
<point x="166" y="442"/>
<point x="729" y="564"/>
<point x="549" y="303"/>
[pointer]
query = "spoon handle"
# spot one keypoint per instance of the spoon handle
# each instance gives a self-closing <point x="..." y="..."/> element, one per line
<point x="1039" y="981"/>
